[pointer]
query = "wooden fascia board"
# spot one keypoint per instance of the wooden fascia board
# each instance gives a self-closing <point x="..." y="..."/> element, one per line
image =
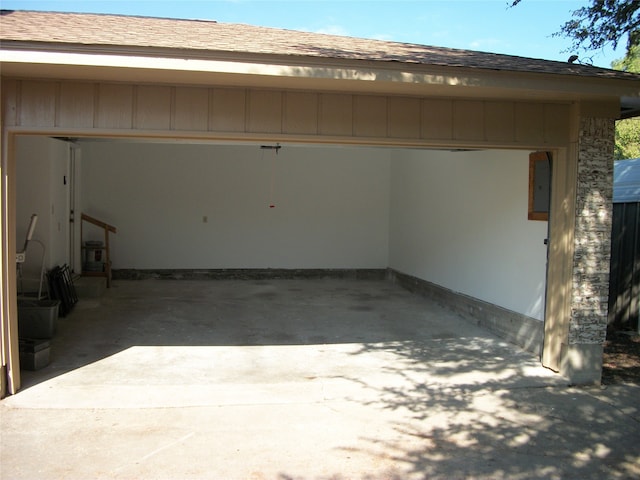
<point x="274" y="71"/>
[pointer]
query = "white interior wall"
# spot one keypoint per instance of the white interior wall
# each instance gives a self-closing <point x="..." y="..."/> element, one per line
<point x="42" y="187"/>
<point x="459" y="220"/>
<point x="331" y="205"/>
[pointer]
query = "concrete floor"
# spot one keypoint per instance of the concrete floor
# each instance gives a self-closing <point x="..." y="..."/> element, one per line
<point x="301" y="379"/>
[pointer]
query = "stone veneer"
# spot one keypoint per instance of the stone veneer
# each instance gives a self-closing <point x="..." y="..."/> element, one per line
<point x="589" y="299"/>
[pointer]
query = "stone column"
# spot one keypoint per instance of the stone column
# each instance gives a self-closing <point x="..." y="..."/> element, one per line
<point x="582" y="359"/>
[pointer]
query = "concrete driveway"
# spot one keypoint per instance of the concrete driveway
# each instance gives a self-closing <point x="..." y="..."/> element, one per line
<point x="301" y="379"/>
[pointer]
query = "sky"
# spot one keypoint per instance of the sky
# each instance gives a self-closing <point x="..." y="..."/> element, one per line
<point x="483" y="25"/>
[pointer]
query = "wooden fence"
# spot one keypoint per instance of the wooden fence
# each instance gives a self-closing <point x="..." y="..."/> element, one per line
<point x="624" y="281"/>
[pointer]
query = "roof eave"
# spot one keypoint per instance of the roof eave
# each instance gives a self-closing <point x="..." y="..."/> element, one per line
<point x="100" y="63"/>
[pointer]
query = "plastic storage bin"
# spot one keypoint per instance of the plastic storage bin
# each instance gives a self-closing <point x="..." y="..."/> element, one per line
<point x="37" y="318"/>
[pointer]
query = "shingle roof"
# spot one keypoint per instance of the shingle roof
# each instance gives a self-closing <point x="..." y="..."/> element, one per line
<point x="209" y="36"/>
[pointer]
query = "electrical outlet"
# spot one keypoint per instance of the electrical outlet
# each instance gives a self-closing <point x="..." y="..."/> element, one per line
<point x="20" y="257"/>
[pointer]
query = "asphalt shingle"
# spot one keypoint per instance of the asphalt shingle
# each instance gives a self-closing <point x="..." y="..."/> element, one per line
<point x="200" y="37"/>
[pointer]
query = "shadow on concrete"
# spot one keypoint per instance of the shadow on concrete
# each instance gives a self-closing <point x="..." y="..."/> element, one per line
<point x="491" y="418"/>
<point x="381" y="383"/>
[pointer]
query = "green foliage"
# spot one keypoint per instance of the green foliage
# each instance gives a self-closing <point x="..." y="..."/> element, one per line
<point x="631" y="62"/>
<point x="628" y="130"/>
<point x="603" y="22"/>
<point x="627" y="139"/>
